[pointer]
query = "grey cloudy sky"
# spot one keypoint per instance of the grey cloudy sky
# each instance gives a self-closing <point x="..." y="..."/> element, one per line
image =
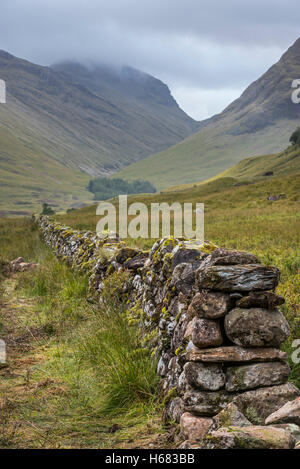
<point x="207" y="51"/>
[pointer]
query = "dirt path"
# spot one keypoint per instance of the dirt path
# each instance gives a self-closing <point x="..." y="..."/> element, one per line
<point x="24" y="347"/>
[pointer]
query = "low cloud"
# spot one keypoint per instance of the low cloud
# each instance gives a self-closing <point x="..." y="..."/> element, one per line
<point x="206" y="51"/>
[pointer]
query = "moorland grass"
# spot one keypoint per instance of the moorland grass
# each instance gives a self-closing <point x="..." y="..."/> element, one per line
<point x="87" y="346"/>
<point x="241" y="217"/>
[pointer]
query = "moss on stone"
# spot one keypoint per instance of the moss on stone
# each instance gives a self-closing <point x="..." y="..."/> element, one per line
<point x="172" y="393"/>
<point x="252" y="415"/>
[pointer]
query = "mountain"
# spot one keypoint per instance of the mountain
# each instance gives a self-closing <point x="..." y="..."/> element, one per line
<point x="62" y="125"/>
<point x="260" y="121"/>
<point x="144" y="109"/>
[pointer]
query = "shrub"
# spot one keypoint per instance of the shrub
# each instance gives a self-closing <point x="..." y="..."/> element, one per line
<point x="47" y="210"/>
<point x="295" y="137"/>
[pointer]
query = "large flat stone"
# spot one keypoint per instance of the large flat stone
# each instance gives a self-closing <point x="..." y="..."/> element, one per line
<point x="241" y="378"/>
<point x="254" y="437"/>
<point x="289" y="413"/>
<point x="241" y="278"/>
<point x="208" y="377"/>
<point x="258" y="404"/>
<point x="234" y="354"/>
<point x="256" y="327"/>
<point x="292" y="428"/>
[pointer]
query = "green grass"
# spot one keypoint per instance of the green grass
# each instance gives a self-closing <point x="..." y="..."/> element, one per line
<point x="95" y="370"/>
<point x="220" y="196"/>
<point x="252" y="169"/>
<point x="242" y="218"/>
<point x="28" y="181"/>
<point x="113" y="347"/>
<point x="101" y="341"/>
<point x="19" y="238"/>
<point x="89" y="350"/>
<point x="281" y="164"/>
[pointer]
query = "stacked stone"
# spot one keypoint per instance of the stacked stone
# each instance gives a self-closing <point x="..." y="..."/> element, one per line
<point x="78" y="248"/>
<point x="233" y="330"/>
<point x="211" y="316"/>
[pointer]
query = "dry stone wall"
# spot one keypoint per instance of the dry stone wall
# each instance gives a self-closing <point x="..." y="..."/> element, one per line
<point x="212" y="317"/>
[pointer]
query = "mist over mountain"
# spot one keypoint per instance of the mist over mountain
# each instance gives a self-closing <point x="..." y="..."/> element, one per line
<point x="260" y="121"/>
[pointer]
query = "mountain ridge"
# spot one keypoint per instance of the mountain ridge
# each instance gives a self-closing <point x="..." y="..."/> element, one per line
<point x="54" y="121"/>
<point x="260" y="121"/>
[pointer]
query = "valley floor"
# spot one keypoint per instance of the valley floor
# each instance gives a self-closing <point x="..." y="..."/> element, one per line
<point x="60" y="389"/>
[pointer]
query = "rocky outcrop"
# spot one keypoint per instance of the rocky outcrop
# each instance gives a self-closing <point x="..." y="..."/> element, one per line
<point x="211" y="318"/>
<point x="251" y="437"/>
<point x="258" y="404"/>
<point x="289" y="413"/>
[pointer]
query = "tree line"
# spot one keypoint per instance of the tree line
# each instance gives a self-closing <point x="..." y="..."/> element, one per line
<point x="104" y="188"/>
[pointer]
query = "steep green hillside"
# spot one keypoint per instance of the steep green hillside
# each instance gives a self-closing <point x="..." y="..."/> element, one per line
<point x="28" y="177"/>
<point x="280" y="164"/>
<point x="259" y="122"/>
<point x="56" y="130"/>
<point x="255" y="168"/>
